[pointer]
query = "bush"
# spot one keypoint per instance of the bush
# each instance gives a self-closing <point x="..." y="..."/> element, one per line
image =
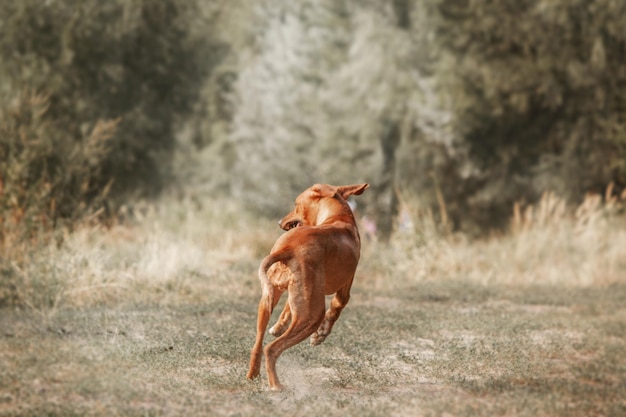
<point x="134" y="60"/>
<point x="537" y="87"/>
<point x="46" y="176"/>
<point x="91" y="95"/>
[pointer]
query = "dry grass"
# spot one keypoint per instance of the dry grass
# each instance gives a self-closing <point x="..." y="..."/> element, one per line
<point x="175" y="252"/>
<point x="171" y="253"/>
<point x="547" y="244"/>
<point x="156" y="317"/>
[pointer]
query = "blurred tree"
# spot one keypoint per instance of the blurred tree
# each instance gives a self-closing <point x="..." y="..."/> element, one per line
<point x="472" y="105"/>
<point x="205" y="155"/>
<point x="326" y="95"/>
<point x="539" y="96"/>
<point x="278" y="128"/>
<point x="136" y="60"/>
<point x="46" y="177"/>
<point x="367" y="100"/>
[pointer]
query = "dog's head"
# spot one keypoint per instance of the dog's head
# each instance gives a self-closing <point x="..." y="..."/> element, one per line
<point x="321" y="202"/>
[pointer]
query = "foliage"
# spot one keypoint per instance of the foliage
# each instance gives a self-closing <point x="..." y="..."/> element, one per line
<point x="91" y="96"/>
<point x="137" y="61"/>
<point x="277" y="124"/>
<point x="325" y="95"/>
<point x="472" y="104"/>
<point x="538" y="88"/>
<point x="46" y="176"/>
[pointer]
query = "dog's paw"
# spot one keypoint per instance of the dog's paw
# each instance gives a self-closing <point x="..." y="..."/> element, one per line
<point x="253" y="373"/>
<point x="317" y="338"/>
<point x="277" y="388"/>
<point x="277" y="330"/>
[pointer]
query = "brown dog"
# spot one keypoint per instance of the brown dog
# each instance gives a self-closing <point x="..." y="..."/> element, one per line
<point x="316" y="257"/>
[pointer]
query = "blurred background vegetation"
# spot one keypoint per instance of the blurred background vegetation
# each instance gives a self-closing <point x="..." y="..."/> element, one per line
<point x="464" y="106"/>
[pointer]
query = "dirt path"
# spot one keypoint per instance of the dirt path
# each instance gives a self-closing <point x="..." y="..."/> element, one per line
<point x="432" y="349"/>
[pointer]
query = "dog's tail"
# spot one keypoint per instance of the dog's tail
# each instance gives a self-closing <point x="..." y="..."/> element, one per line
<point x="266" y="287"/>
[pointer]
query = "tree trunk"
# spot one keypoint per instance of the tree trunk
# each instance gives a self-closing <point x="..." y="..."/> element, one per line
<point x="386" y="200"/>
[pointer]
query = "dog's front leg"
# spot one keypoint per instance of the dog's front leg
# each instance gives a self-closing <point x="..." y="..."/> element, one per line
<point x="263" y="318"/>
<point x="337" y="304"/>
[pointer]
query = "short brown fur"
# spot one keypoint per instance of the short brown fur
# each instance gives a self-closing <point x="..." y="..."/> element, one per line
<point x="316" y="257"/>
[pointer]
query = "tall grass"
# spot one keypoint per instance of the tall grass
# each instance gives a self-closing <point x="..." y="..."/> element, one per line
<point x="546" y="243"/>
<point x="47" y="177"/>
<point x="190" y="251"/>
<point x="49" y="183"/>
<point x="171" y="252"/>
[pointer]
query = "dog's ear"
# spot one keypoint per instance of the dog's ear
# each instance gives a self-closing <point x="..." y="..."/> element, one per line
<point x="323" y="190"/>
<point x="348" y="190"/>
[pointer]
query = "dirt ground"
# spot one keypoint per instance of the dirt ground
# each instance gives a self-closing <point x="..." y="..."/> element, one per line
<point x="158" y="318"/>
<point x="428" y="349"/>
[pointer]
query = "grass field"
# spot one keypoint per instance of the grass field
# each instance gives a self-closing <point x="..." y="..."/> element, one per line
<point x="158" y="317"/>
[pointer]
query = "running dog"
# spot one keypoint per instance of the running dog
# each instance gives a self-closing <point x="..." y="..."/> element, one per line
<point x="316" y="257"/>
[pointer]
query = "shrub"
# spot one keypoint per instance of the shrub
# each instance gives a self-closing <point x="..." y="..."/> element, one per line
<point x="135" y="60"/>
<point x="538" y="98"/>
<point x="91" y="94"/>
<point x="46" y="176"/>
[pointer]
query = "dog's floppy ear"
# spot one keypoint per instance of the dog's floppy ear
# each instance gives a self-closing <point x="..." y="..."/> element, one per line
<point x="323" y="190"/>
<point x="348" y="190"/>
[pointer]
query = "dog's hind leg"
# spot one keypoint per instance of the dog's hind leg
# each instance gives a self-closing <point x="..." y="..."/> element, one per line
<point x="337" y="304"/>
<point x="263" y="319"/>
<point x="282" y="323"/>
<point x="303" y="324"/>
<point x="279" y="276"/>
